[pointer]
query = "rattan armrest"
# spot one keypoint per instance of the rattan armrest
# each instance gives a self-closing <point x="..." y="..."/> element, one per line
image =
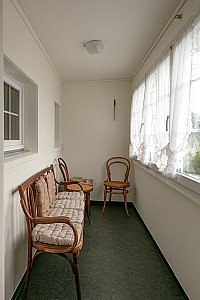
<point x="50" y="220"/>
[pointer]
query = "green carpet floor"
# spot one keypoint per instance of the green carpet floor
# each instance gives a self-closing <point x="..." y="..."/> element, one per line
<point x="119" y="261"/>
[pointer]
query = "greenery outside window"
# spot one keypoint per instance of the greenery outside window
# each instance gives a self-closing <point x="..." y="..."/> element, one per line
<point x="191" y="161"/>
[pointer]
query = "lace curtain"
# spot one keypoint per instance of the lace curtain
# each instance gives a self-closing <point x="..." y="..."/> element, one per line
<point x="167" y="126"/>
<point x="148" y="115"/>
<point x="136" y="120"/>
<point x="180" y="100"/>
<point x="162" y="110"/>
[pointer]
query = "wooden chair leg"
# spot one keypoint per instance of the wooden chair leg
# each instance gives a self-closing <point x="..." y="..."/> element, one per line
<point x="77" y="275"/>
<point x="28" y="271"/>
<point x="125" y="202"/>
<point x="110" y="196"/>
<point x="105" y="196"/>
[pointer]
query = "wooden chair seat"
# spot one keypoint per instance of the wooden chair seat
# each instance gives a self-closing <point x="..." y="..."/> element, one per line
<point x="87" y="188"/>
<point x="117" y="184"/>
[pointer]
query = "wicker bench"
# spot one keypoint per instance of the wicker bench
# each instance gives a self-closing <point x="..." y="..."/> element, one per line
<point x="55" y="220"/>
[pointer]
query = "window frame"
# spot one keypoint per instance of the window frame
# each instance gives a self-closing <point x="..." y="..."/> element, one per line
<point x="189" y="181"/>
<point x="15" y="145"/>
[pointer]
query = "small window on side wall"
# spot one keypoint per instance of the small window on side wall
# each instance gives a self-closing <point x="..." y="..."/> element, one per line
<point x="13" y="131"/>
<point x="20" y="111"/>
<point x="57" y="126"/>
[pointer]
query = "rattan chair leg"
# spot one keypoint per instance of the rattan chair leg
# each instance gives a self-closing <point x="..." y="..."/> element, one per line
<point x="77" y="275"/>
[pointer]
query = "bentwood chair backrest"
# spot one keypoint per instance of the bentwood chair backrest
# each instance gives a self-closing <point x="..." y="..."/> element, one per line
<point x="63" y="169"/>
<point x="118" y="161"/>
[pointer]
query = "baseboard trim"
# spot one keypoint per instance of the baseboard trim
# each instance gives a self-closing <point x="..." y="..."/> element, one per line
<point x="115" y="203"/>
<point x="19" y="287"/>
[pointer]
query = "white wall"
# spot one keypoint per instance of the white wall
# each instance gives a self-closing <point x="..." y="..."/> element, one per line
<point x="90" y="135"/>
<point x="1" y="159"/>
<point x="21" y="48"/>
<point x="172" y="218"/>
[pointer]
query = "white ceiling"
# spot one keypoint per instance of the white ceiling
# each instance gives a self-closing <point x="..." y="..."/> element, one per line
<point x="127" y="27"/>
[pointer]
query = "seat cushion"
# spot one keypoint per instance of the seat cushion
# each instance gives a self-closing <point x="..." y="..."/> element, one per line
<point x="75" y="215"/>
<point x="70" y="195"/>
<point x="42" y="197"/>
<point x="117" y="184"/>
<point x="51" y="186"/>
<point x="73" y="200"/>
<point x="55" y="234"/>
<point x="69" y="203"/>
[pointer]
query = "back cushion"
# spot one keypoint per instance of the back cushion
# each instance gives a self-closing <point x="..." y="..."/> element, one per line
<point x="51" y="186"/>
<point x="42" y="197"/>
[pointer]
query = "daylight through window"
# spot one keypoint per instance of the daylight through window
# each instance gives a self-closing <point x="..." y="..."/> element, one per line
<point x="165" y="113"/>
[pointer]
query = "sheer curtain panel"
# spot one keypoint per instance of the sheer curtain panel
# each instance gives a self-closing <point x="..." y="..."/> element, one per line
<point x="136" y="120"/>
<point x="180" y="100"/>
<point x="148" y="116"/>
<point x="162" y="109"/>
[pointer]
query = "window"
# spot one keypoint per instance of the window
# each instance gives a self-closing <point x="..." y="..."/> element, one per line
<point x="170" y="135"/>
<point x="12" y="115"/>
<point x="20" y="112"/>
<point x="150" y="115"/>
<point x="191" y="161"/>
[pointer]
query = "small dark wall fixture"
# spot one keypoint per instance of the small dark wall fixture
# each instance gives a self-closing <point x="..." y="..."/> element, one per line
<point x="114" y="103"/>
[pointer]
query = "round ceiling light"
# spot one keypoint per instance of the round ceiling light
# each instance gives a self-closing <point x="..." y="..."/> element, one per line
<point x="94" y="46"/>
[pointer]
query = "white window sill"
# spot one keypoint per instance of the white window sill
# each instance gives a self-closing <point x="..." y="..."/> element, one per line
<point x="176" y="185"/>
<point x="18" y="158"/>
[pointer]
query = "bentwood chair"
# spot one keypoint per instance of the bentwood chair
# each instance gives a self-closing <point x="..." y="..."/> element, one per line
<point x="112" y="186"/>
<point x="63" y="168"/>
